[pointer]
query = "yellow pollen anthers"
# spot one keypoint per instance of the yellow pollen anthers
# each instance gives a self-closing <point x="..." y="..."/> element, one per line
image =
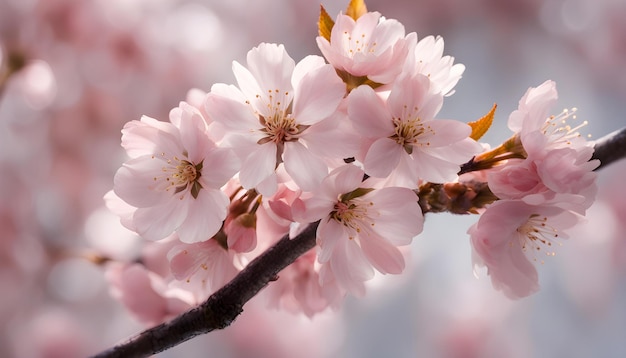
<point x="280" y="126"/>
<point x="354" y="213"/>
<point x="537" y="234"/>
<point x="410" y="132"/>
<point x="358" y="44"/>
<point x="559" y="131"/>
<point x="178" y="175"/>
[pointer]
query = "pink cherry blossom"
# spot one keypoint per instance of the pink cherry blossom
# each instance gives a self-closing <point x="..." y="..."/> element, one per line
<point x="539" y="131"/>
<point x="298" y="288"/>
<point x="427" y="59"/>
<point x="281" y="113"/>
<point x="560" y="179"/>
<point x="241" y="232"/>
<point x="556" y="167"/>
<point x="406" y="137"/>
<point x="360" y="227"/>
<point x="511" y="235"/>
<point x="174" y="176"/>
<point x="202" y="267"/>
<point x="144" y="293"/>
<point x="371" y="46"/>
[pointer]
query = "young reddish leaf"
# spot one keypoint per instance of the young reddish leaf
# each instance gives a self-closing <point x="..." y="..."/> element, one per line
<point x="356" y="8"/>
<point x="480" y="127"/>
<point x="325" y="24"/>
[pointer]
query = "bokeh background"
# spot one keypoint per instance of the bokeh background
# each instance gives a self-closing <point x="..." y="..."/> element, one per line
<point x="89" y="66"/>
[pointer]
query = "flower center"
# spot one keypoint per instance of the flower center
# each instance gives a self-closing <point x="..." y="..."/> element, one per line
<point x="354" y="215"/>
<point x="179" y="175"/>
<point x="537" y="234"/>
<point x="279" y="126"/>
<point x="410" y="132"/>
<point x="358" y="44"/>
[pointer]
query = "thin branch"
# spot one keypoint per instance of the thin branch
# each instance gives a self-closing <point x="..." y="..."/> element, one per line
<point x="610" y="148"/>
<point x="221" y="309"/>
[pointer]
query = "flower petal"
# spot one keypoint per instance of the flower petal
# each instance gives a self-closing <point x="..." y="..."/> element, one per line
<point x="307" y="170"/>
<point x="318" y="95"/>
<point x="385" y="257"/>
<point x="369" y="113"/>
<point x="258" y="166"/>
<point x="382" y="157"/>
<point x="204" y="216"/>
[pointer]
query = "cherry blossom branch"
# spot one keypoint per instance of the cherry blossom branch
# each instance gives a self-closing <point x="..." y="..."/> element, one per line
<point x="221" y="309"/>
<point x="610" y="148"/>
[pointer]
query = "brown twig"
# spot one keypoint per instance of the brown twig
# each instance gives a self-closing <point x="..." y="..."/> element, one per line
<point x="221" y="309"/>
<point x="610" y="148"/>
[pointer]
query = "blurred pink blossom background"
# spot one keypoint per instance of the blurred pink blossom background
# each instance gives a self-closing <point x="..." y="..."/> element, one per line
<point x="88" y="67"/>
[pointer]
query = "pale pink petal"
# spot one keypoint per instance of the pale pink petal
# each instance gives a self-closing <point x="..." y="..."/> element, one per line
<point x="519" y="278"/>
<point x="332" y="56"/>
<point x="233" y="114"/>
<point x="369" y="114"/>
<point x="193" y="133"/>
<point x="385" y="257"/>
<point x="329" y="233"/>
<point x="350" y="267"/>
<point x="133" y="286"/>
<point x="268" y="186"/>
<point x="316" y="208"/>
<point x="258" y="166"/>
<point x="158" y="222"/>
<point x="149" y="136"/>
<point x="218" y="167"/>
<point x="318" y="95"/>
<point x="271" y="67"/>
<point x="185" y="260"/>
<point x="346" y="178"/>
<point x="307" y="170"/>
<point x="251" y="89"/>
<point x="134" y="182"/>
<point x="308" y="64"/>
<point x="400" y="217"/>
<point x="120" y="208"/>
<point x="382" y="157"/>
<point x="387" y="32"/>
<point x="433" y="169"/>
<point x="407" y="96"/>
<point x="445" y="132"/>
<point x="333" y="138"/>
<point x="204" y="217"/>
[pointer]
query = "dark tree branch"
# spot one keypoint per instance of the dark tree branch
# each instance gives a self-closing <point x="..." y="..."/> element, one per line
<point x="221" y="309"/>
<point x="610" y="148"/>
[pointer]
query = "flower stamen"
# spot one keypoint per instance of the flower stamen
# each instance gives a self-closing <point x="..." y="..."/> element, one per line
<point x="557" y="129"/>
<point x="537" y="233"/>
<point x="178" y="175"/>
<point x="410" y="130"/>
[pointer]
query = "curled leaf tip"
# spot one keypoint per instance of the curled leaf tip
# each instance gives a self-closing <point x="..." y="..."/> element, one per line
<point x="356" y="9"/>
<point x="481" y="126"/>
<point x="325" y="24"/>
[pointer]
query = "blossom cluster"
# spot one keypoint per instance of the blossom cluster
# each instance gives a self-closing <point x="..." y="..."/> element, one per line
<point x="346" y="139"/>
